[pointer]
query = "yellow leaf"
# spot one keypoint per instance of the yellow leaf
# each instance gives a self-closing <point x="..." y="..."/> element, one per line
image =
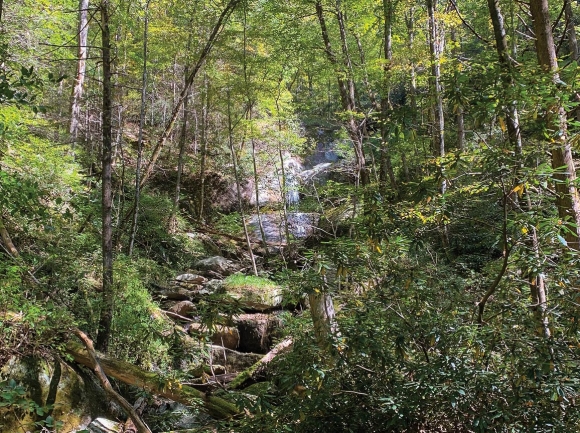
<point x="502" y="124"/>
<point x="378" y="249"/>
<point x="519" y="189"/>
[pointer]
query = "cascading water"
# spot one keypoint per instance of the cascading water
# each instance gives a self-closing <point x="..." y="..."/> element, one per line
<point x="300" y="224"/>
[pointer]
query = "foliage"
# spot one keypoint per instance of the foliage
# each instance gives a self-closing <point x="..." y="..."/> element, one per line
<point x="15" y="404"/>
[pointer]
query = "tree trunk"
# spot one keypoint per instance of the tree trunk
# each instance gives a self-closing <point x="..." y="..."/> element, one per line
<point x="386" y="165"/>
<point x="459" y="111"/>
<point x="204" y="128"/>
<point x="177" y="108"/>
<point x="77" y="92"/>
<point x="537" y="286"/>
<point x="94" y="365"/>
<point x="346" y="89"/>
<point x="238" y="186"/>
<point x="571" y="31"/>
<point x="141" y="127"/>
<point x="323" y="319"/>
<point x="436" y="90"/>
<point x="567" y="199"/>
<point x="107" y="193"/>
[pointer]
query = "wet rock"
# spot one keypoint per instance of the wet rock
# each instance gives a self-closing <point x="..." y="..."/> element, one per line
<point x="103" y="425"/>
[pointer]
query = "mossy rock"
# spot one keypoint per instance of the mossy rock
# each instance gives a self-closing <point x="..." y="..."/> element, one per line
<point x="251" y="289"/>
<point x="74" y="396"/>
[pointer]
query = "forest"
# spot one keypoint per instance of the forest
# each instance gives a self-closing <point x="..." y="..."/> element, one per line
<point x="291" y="216"/>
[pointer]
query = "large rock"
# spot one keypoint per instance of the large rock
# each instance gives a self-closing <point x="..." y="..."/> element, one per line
<point x="224" y="336"/>
<point x="76" y="398"/>
<point x="217" y="266"/>
<point x="183" y="308"/>
<point x="103" y="425"/>
<point x="256" y="331"/>
<point x="262" y="297"/>
<point x="233" y="360"/>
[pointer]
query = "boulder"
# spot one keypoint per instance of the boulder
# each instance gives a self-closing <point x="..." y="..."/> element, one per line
<point x="183" y="308"/>
<point x="103" y="425"/>
<point x="256" y="331"/>
<point x="178" y="294"/>
<point x="265" y="296"/>
<point x="224" y="336"/>
<point x="217" y="266"/>
<point x="190" y="279"/>
<point x="234" y="361"/>
<point x="75" y="396"/>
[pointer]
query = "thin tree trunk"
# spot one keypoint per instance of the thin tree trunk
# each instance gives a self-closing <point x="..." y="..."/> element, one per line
<point x="204" y="128"/>
<point x="537" y="286"/>
<point x="182" y="142"/>
<point x="347" y="93"/>
<point x="459" y="111"/>
<point x="386" y="165"/>
<point x="98" y="370"/>
<point x="436" y="90"/>
<point x="410" y="22"/>
<point x="7" y="240"/>
<point x="228" y="10"/>
<point x="107" y="295"/>
<point x="570" y="30"/>
<point x="141" y="127"/>
<point x="77" y="92"/>
<point x="567" y="199"/>
<point x="238" y="186"/>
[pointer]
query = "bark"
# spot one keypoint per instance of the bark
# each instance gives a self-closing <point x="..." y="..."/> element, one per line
<point x="107" y="193"/>
<point x="436" y="89"/>
<point x="570" y="30"/>
<point x="141" y="127"/>
<point x="7" y="240"/>
<point x="346" y="90"/>
<point x="323" y="319"/>
<point x="94" y="365"/>
<point x="226" y="13"/>
<point x="459" y="111"/>
<point x="567" y="199"/>
<point x="506" y="63"/>
<point x="537" y="287"/>
<point x="77" y="91"/>
<point x="282" y="178"/>
<point x="154" y="383"/>
<point x="386" y="165"/>
<point x="410" y="23"/>
<point x="204" y="141"/>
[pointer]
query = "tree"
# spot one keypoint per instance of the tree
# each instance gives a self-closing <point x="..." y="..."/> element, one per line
<point x="567" y="198"/>
<point x="108" y="294"/>
<point x="77" y="92"/>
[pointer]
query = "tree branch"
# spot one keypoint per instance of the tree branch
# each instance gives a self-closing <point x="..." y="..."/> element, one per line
<point x="98" y="370"/>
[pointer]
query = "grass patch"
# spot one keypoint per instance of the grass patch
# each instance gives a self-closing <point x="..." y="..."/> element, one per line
<point x="239" y="281"/>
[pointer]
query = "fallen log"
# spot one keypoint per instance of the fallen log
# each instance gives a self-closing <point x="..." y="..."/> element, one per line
<point x="250" y="374"/>
<point x="154" y="383"/>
